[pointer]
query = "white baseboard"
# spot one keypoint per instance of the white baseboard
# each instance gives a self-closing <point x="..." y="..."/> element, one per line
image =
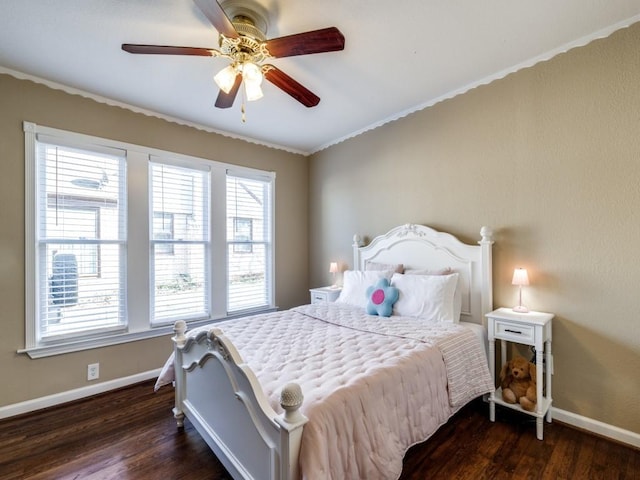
<point x="594" y="426"/>
<point x="76" y="394"/>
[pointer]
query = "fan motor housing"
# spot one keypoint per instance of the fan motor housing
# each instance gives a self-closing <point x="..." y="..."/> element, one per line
<point x="248" y="17"/>
<point x="250" y="21"/>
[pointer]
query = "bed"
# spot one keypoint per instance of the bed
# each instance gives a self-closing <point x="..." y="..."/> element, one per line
<point x="328" y="391"/>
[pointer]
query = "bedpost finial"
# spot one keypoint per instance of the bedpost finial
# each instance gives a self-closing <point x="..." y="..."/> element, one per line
<point x="487" y="234"/>
<point x="357" y="240"/>
<point x="180" y="326"/>
<point x="290" y="400"/>
<point x="291" y="395"/>
<point x="179" y="329"/>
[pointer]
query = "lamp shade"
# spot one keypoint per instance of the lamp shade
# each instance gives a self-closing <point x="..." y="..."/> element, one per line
<point x="333" y="267"/>
<point x="251" y="73"/>
<point x="252" y="76"/>
<point x="225" y="78"/>
<point x="254" y="92"/>
<point x="520" y="277"/>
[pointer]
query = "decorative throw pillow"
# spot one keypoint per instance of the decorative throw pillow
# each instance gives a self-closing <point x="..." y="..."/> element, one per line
<point x="428" y="271"/>
<point x="395" y="267"/>
<point x="381" y="298"/>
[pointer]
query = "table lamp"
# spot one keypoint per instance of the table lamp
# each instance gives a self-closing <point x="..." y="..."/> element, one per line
<point x="333" y="269"/>
<point x="520" y="278"/>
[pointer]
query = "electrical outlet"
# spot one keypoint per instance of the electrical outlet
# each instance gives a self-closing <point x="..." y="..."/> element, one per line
<point x="93" y="371"/>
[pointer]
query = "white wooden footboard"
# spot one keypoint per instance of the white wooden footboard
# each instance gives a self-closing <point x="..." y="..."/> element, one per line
<point x="222" y="398"/>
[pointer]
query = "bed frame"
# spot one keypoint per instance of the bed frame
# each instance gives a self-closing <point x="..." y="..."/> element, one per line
<point x="222" y="398"/>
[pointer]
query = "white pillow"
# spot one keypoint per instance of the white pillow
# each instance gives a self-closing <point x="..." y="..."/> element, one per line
<point x="355" y="284"/>
<point x="428" y="297"/>
<point x="457" y="296"/>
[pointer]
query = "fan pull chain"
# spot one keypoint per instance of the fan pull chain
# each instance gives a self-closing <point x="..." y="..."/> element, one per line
<point x="242" y="109"/>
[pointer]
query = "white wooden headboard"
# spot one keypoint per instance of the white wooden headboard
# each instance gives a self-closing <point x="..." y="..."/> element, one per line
<point x="420" y="247"/>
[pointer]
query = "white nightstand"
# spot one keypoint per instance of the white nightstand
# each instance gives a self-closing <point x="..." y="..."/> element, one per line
<point x="534" y="329"/>
<point x="325" y="294"/>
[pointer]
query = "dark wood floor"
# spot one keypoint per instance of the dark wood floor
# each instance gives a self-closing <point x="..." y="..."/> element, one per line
<point x="130" y="434"/>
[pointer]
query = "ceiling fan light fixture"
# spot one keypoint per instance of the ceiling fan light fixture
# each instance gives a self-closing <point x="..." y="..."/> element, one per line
<point x="252" y="78"/>
<point x="251" y="73"/>
<point x="253" y="91"/>
<point x="242" y="27"/>
<point x="225" y="78"/>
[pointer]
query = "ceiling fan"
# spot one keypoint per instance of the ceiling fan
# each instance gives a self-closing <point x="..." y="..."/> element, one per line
<point x="242" y="26"/>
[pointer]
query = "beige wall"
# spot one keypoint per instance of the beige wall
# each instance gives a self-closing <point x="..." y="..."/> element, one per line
<point x="22" y="378"/>
<point x="550" y="158"/>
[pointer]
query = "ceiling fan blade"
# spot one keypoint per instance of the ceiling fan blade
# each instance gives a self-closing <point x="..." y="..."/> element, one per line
<point x="225" y="100"/>
<point x="167" y="50"/>
<point x="317" y="41"/>
<point x="290" y="86"/>
<point x="213" y="11"/>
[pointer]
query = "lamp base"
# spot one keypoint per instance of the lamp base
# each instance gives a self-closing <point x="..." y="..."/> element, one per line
<point x="520" y="309"/>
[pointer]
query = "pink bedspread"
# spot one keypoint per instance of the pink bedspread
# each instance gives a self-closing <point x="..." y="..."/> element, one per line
<point x="373" y="386"/>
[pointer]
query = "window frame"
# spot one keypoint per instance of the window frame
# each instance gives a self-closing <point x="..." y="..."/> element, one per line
<point x="138" y="242"/>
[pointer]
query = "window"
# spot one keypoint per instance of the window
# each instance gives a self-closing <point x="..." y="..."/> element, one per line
<point x="80" y="240"/>
<point x="249" y="240"/>
<point x="124" y="240"/>
<point x="181" y="211"/>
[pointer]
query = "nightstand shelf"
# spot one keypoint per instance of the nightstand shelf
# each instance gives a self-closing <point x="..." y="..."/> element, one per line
<point x="533" y="329"/>
<point x="324" y="294"/>
<point x="546" y="404"/>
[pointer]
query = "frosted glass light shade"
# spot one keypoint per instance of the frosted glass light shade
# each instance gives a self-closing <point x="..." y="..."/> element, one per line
<point x="252" y="77"/>
<point x="251" y="73"/>
<point x="254" y="92"/>
<point x="225" y="78"/>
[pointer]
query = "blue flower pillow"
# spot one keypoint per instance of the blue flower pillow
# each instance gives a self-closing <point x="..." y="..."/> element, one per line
<point x="381" y="297"/>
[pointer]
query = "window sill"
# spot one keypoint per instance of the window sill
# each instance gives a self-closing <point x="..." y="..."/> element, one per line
<point x="105" y="341"/>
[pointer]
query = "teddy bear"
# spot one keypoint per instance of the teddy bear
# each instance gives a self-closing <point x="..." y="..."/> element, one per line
<point x="518" y="382"/>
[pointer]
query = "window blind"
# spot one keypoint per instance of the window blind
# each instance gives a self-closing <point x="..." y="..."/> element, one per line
<point x="249" y="243"/>
<point x="81" y="240"/>
<point x="179" y="243"/>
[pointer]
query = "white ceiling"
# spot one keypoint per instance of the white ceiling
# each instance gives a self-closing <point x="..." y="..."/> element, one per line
<point x="399" y="56"/>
